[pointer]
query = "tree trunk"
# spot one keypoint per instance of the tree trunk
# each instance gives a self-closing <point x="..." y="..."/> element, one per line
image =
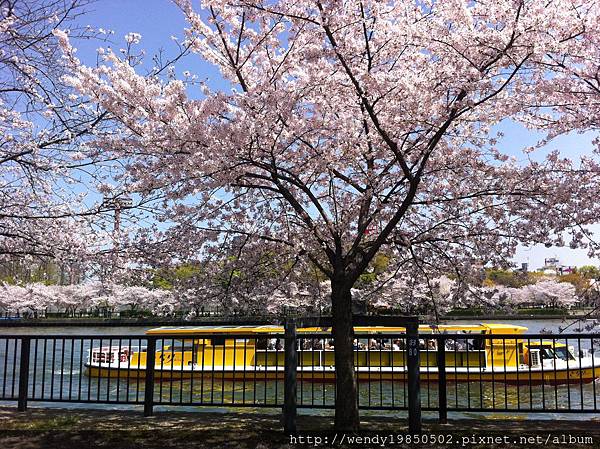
<point x="346" y="401"/>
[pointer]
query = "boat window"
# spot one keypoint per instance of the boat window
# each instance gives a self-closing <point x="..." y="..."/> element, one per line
<point x="547" y="353"/>
<point x="178" y="345"/>
<point x="429" y="345"/>
<point x="218" y="341"/>
<point x="360" y="344"/>
<point x="214" y="341"/>
<point x="275" y="344"/>
<point x="477" y="343"/>
<point x="460" y="344"/>
<point x="520" y="354"/>
<point x="562" y="353"/>
<point x="313" y="343"/>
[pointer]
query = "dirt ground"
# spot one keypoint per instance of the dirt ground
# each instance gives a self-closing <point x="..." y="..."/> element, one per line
<point x="79" y="429"/>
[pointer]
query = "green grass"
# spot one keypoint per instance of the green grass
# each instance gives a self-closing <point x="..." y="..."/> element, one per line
<point x="58" y="423"/>
<point x="527" y="311"/>
<point x="467" y="312"/>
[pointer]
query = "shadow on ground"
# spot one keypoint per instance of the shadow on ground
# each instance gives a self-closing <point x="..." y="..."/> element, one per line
<point x="79" y="429"/>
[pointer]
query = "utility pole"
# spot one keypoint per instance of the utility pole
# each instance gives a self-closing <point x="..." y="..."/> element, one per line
<point x="118" y="203"/>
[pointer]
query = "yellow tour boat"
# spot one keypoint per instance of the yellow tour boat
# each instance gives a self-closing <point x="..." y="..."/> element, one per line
<point x="256" y="352"/>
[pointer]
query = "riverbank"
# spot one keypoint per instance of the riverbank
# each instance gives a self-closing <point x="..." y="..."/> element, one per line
<point x="40" y="428"/>
<point x="513" y="317"/>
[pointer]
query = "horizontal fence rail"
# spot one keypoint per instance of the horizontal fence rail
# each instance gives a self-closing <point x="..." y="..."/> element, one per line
<point x="459" y="372"/>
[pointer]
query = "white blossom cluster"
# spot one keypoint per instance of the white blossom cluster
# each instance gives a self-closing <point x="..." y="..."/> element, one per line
<point x="440" y="296"/>
<point x="39" y="297"/>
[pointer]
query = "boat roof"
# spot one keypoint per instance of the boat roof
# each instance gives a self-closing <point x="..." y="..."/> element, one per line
<point x="273" y="329"/>
<point x="549" y="343"/>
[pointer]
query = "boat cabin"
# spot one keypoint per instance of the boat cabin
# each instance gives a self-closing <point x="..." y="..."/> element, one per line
<point x="263" y="346"/>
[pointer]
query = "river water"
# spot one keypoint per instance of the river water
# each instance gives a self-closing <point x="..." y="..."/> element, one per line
<point x="68" y="380"/>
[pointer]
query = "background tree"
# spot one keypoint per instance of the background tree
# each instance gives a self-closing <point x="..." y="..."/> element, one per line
<point x="577" y="280"/>
<point x="353" y="128"/>
<point x="41" y="120"/>
<point x="60" y="200"/>
<point x="589" y="271"/>
<point x="509" y="278"/>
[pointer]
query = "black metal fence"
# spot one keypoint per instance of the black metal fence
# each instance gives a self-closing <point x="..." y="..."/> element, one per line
<point x="433" y="372"/>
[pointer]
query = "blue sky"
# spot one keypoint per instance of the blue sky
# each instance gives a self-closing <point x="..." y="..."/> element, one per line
<point x="158" y="20"/>
<point x="572" y="146"/>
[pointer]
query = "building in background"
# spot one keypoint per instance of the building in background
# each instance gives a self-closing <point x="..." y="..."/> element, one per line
<point x="552" y="266"/>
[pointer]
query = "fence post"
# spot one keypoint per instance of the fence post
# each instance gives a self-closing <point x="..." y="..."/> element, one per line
<point x="149" y="379"/>
<point x="24" y="374"/>
<point x="290" y="380"/>
<point x="414" y="388"/>
<point x="442" y="393"/>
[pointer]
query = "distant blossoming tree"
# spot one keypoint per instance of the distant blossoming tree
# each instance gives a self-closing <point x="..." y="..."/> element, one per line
<point x="353" y="128"/>
<point x="441" y="296"/>
<point x="546" y="292"/>
<point x="31" y="298"/>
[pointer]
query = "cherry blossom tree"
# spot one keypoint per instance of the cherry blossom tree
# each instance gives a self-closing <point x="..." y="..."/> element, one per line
<point x="438" y="296"/>
<point x="441" y="295"/>
<point x="414" y="296"/>
<point x="37" y="297"/>
<point x="40" y="120"/>
<point x="353" y="128"/>
<point x="49" y="182"/>
<point x="548" y="292"/>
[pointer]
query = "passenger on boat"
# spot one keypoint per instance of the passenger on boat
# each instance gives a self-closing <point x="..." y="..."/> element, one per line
<point x="460" y="344"/>
<point x="262" y="343"/>
<point x="373" y="344"/>
<point x="478" y="343"/>
<point x="400" y="343"/>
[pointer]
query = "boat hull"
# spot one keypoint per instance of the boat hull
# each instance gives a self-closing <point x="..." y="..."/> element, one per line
<point x="327" y="375"/>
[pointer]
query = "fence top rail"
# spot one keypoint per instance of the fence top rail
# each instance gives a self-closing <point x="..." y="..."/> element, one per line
<point x="302" y="335"/>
